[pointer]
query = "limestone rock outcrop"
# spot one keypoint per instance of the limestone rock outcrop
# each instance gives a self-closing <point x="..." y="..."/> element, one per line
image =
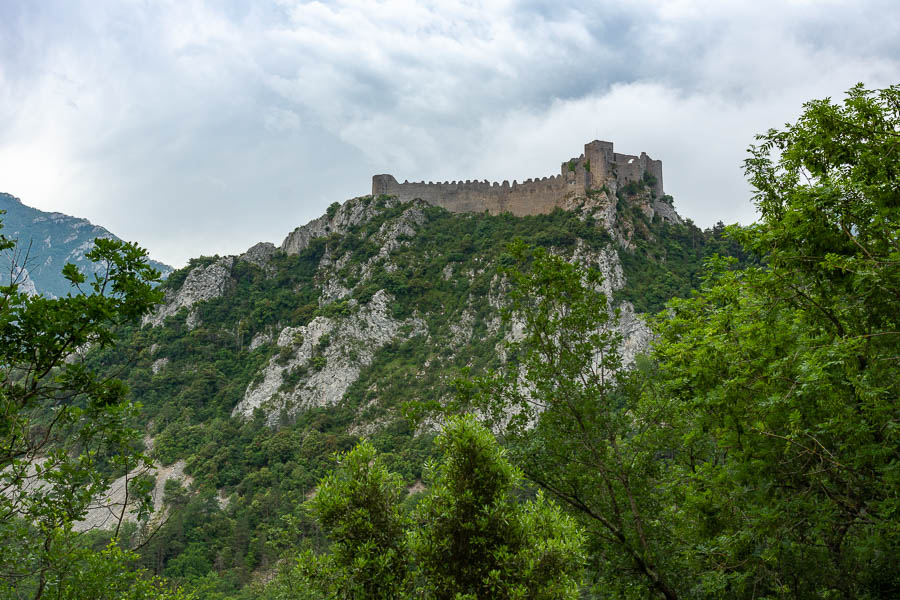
<point x="259" y="254"/>
<point x="350" y="213"/>
<point x="115" y="504"/>
<point x="323" y="358"/>
<point x="202" y="283"/>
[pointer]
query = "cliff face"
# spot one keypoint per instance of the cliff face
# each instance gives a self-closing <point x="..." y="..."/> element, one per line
<point x="318" y="312"/>
<point x="599" y="168"/>
<point x="202" y="283"/>
<point x="331" y="353"/>
<point x="318" y="315"/>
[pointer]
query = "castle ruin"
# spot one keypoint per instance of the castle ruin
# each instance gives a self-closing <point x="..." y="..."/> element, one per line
<point x="598" y="167"/>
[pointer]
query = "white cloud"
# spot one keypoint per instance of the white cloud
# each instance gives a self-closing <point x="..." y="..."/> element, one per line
<point x="196" y="127"/>
<point x="281" y="120"/>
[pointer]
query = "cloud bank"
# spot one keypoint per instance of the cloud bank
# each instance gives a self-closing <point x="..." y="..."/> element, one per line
<point x="196" y="127"/>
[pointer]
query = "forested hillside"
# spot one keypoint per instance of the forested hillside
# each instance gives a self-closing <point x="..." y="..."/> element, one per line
<point x="297" y="356"/>
<point x="403" y="402"/>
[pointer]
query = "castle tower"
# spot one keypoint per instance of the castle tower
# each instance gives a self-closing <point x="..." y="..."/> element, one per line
<point x="600" y="154"/>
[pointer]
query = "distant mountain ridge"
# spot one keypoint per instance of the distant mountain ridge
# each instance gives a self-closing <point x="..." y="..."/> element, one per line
<point x="49" y="240"/>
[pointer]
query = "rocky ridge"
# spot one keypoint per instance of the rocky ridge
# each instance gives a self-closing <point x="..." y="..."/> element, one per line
<point x="202" y="283"/>
<point x="258" y="367"/>
<point x="314" y="364"/>
<point x="46" y="241"/>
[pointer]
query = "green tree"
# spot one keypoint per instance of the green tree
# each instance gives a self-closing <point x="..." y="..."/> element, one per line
<point x="570" y="425"/>
<point x="786" y="374"/>
<point x="756" y="453"/>
<point x="474" y="539"/>
<point x="359" y="508"/>
<point x="470" y="536"/>
<point x="65" y="428"/>
<point x="106" y="575"/>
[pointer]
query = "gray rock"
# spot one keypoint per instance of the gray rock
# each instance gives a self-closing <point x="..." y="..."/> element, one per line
<point x="202" y="283"/>
<point x="345" y="345"/>
<point x="388" y="236"/>
<point x="332" y="290"/>
<point x="259" y="254"/>
<point x="352" y="212"/>
<point x="105" y="511"/>
<point x="258" y="340"/>
<point x="636" y="334"/>
<point x="666" y="211"/>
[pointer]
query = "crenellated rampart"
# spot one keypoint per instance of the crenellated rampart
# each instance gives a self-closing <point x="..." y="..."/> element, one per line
<point x="599" y="166"/>
<point x="530" y="197"/>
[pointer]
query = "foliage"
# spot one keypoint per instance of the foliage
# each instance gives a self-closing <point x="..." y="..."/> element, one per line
<point x="358" y="507"/>
<point x="667" y="259"/>
<point x="632" y="188"/>
<point x="567" y="424"/>
<point x="787" y="373"/>
<point x="65" y="431"/>
<point x="475" y="540"/>
<point x="107" y="575"/>
<point x="755" y="452"/>
<point x="469" y="536"/>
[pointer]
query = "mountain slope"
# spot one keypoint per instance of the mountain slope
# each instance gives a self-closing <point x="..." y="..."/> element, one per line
<point x="46" y="242"/>
<point x="258" y="367"/>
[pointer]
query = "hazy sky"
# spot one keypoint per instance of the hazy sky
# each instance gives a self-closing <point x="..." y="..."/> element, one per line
<point x="200" y="127"/>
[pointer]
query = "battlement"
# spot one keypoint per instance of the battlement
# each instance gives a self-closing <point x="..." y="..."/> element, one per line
<point x="599" y="166"/>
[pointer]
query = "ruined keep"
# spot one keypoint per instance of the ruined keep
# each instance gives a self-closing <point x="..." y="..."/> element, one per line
<point x="599" y="166"/>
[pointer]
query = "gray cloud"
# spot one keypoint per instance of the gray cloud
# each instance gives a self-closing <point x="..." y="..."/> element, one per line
<point x="195" y="127"/>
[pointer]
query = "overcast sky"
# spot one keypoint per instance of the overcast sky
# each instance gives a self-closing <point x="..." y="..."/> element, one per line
<point x="199" y="127"/>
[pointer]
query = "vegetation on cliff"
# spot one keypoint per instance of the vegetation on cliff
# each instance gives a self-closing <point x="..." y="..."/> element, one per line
<point x="445" y="274"/>
<point x="751" y="452"/>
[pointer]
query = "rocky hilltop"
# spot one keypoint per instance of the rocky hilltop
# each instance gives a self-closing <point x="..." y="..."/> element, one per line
<point x="259" y="366"/>
<point x="46" y="241"/>
<point x="365" y="257"/>
<point x="599" y="168"/>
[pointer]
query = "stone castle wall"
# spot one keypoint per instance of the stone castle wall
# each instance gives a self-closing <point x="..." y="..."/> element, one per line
<point x="599" y="166"/>
<point x="529" y="198"/>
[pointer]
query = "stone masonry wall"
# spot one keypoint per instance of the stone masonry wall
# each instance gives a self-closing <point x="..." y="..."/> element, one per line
<point x="529" y="198"/>
<point x="597" y="167"/>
